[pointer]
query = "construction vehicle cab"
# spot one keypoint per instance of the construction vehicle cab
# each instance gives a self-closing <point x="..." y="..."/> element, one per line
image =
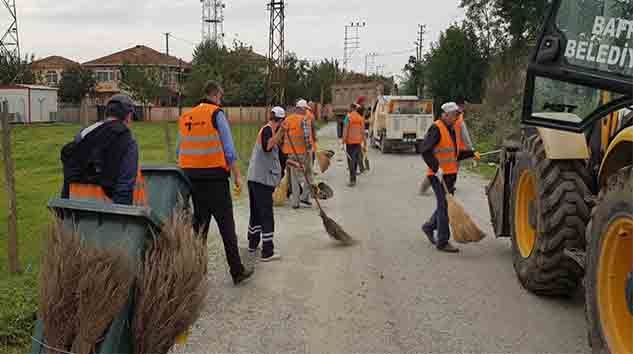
<point x="399" y="122"/>
<point x="564" y="191"/>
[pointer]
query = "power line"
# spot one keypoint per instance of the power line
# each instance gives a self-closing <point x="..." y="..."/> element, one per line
<point x="183" y="40"/>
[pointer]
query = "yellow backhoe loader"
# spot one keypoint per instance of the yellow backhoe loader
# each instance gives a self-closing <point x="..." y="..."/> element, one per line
<point x="564" y="191"/>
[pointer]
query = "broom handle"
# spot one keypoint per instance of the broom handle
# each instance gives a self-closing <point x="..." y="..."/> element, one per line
<point x="305" y="174"/>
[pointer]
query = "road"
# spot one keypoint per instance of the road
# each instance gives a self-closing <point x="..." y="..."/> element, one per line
<point x="391" y="292"/>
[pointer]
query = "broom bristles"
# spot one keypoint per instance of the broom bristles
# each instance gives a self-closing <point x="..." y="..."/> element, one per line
<point x="59" y="275"/>
<point x="280" y="195"/>
<point x="172" y="288"/>
<point x="463" y="227"/>
<point x="335" y="230"/>
<point x="103" y="290"/>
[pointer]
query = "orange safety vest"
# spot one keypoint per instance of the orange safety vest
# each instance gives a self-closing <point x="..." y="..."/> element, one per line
<point x="355" y="129"/>
<point x="310" y="120"/>
<point x="294" y="133"/>
<point x="461" y="145"/>
<point x="445" y="151"/>
<point x="200" y="144"/>
<point x="94" y="192"/>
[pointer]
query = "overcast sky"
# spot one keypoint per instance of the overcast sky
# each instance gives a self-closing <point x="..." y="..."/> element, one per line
<point x="86" y="29"/>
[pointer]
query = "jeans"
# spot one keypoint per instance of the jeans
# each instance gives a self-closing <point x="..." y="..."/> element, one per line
<point x="353" y="160"/>
<point x="439" y="220"/>
<point x="300" y="189"/>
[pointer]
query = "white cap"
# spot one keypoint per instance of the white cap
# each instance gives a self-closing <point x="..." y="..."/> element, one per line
<point x="302" y="104"/>
<point x="279" y="112"/>
<point x="450" y="107"/>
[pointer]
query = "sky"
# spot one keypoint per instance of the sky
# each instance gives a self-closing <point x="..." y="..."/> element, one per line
<point x="83" y="30"/>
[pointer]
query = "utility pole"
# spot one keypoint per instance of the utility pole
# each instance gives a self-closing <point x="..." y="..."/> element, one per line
<point x="352" y="41"/>
<point x="276" y="83"/>
<point x="420" y="42"/>
<point x="167" y="42"/>
<point x="373" y="62"/>
<point x="213" y="21"/>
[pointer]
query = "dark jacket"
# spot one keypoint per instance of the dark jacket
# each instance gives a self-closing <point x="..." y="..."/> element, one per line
<point x="431" y="139"/>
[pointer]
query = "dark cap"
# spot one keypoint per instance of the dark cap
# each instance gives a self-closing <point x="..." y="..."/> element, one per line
<point x="125" y="102"/>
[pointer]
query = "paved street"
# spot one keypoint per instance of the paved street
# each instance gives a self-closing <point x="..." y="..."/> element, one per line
<point x="391" y="292"/>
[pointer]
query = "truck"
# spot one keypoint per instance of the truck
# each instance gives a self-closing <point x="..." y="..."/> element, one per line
<point x="399" y="122"/>
<point x="563" y="192"/>
<point x="344" y="94"/>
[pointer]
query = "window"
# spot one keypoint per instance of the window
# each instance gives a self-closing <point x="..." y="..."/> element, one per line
<point x="599" y="34"/>
<point x="52" y="78"/>
<point x="105" y="75"/>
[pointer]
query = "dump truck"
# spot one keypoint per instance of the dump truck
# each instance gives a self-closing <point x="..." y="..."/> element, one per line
<point x="344" y="94"/>
<point x="564" y="191"/>
<point x="399" y="122"/>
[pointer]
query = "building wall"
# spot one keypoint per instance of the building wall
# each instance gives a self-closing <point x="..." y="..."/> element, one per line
<point x="43" y="102"/>
<point x="17" y="100"/>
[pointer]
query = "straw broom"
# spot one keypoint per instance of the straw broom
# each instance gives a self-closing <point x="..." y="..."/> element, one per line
<point x="280" y="195"/>
<point x="59" y="275"/>
<point x="103" y="290"/>
<point x="463" y="227"/>
<point x="331" y="227"/>
<point x="172" y="288"/>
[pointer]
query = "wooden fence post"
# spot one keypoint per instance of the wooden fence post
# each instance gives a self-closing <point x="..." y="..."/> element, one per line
<point x="12" y="237"/>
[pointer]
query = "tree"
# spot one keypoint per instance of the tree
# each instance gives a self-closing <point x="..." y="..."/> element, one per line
<point x="14" y="70"/>
<point x="76" y="82"/>
<point x="142" y="82"/>
<point x="455" y="65"/>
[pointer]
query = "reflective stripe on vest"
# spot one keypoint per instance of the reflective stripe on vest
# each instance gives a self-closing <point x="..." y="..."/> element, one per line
<point x="95" y="193"/>
<point x="355" y="128"/>
<point x="296" y="134"/>
<point x="445" y="151"/>
<point x="200" y="143"/>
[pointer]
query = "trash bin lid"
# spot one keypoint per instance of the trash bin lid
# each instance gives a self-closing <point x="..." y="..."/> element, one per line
<point x="107" y="208"/>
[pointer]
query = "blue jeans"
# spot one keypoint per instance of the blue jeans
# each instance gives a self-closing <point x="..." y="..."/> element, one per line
<point x="439" y="220"/>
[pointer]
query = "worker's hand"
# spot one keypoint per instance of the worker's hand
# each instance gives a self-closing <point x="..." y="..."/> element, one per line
<point x="237" y="178"/>
<point x="477" y="156"/>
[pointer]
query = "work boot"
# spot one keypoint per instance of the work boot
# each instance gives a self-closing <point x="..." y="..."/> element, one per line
<point x="273" y="257"/>
<point x="247" y="273"/>
<point x="429" y="232"/>
<point x="448" y="248"/>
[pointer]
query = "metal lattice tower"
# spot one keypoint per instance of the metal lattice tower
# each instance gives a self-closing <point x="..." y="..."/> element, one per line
<point x="213" y="21"/>
<point x="276" y="62"/>
<point x="9" y="41"/>
<point x="352" y="41"/>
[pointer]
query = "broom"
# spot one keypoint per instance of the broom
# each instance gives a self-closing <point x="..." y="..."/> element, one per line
<point x="280" y="195"/>
<point x="331" y="227"/>
<point x="59" y="275"/>
<point x="463" y="227"/>
<point x="172" y="287"/>
<point x="103" y="290"/>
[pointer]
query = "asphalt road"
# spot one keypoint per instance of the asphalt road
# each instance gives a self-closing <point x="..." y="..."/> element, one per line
<point x="391" y="292"/>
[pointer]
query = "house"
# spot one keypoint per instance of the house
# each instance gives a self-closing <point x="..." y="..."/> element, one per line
<point x="29" y="103"/>
<point x="48" y="71"/>
<point x="107" y="72"/>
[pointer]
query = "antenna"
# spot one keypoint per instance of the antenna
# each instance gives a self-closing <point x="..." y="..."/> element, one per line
<point x="9" y="42"/>
<point x="213" y="21"/>
<point x="275" y="93"/>
<point x="352" y="41"/>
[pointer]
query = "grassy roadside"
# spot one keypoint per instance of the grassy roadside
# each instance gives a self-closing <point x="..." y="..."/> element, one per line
<point x="484" y="167"/>
<point x="38" y="178"/>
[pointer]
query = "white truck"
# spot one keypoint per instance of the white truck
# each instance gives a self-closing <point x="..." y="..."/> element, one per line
<point x="399" y="122"/>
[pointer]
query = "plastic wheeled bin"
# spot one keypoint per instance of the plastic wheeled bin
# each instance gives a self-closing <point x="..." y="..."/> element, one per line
<point x="106" y="225"/>
<point x="167" y="187"/>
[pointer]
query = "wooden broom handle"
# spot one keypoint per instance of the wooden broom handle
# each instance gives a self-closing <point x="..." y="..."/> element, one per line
<point x="305" y="174"/>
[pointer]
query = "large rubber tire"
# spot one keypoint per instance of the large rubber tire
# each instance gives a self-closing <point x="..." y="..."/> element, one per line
<point x="615" y="204"/>
<point x="558" y="217"/>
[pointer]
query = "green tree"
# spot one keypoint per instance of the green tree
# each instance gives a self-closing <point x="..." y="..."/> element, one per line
<point x="16" y="71"/>
<point x="455" y="65"/>
<point x="76" y="82"/>
<point x="143" y="83"/>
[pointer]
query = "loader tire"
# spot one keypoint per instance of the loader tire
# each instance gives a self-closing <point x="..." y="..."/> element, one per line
<point x="609" y="281"/>
<point x="549" y="214"/>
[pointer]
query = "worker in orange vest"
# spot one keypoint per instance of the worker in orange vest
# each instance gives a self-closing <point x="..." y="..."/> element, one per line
<point x="354" y="140"/>
<point x="298" y="145"/>
<point x="101" y="163"/>
<point x="441" y="154"/>
<point x="207" y="155"/>
<point x="312" y="120"/>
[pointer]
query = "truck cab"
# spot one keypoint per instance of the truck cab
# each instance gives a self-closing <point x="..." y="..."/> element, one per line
<point x="399" y="122"/>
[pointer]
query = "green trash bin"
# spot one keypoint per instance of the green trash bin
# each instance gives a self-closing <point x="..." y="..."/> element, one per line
<point x="166" y="187"/>
<point x="107" y="225"/>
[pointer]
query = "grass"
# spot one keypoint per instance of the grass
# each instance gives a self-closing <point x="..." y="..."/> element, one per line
<point x="38" y="177"/>
<point x="483" y="145"/>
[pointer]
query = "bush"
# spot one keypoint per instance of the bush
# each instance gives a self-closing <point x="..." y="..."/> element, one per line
<point x="17" y="320"/>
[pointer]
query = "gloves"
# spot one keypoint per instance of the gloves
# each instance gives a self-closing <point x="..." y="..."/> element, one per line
<point x="439" y="173"/>
<point x="477" y="156"/>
